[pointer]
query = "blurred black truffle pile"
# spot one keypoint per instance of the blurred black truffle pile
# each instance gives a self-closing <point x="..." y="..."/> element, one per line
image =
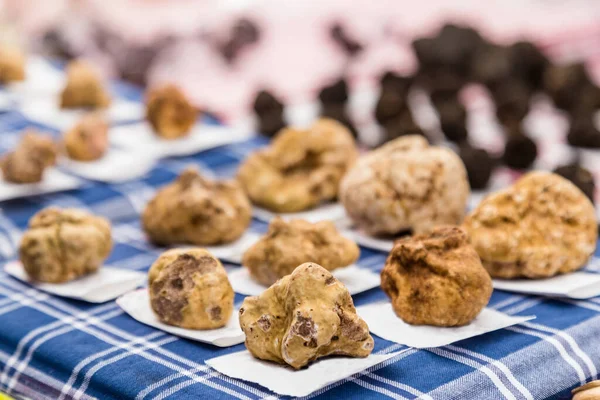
<point x="454" y="57"/>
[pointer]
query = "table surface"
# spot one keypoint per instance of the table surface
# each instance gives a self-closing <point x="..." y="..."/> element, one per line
<point x="54" y="348"/>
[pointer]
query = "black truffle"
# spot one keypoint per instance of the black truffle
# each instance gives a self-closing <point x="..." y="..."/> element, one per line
<point x="245" y="32"/>
<point x="271" y="123"/>
<point x="512" y="100"/>
<point x="529" y="63"/>
<point x="339" y="113"/>
<point x="389" y="105"/>
<point x="337" y="93"/>
<point x="583" y="132"/>
<point x="581" y="177"/>
<point x="453" y="120"/>
<point x="563" y="83"/>
<point x="401" y="125"/>
<point x="390" y="81"/>
<point x="350" y="46"/>
<point x="479" y="165"/>
<point x="520" y="151"/>
<point x="491" y="65"/>
<point x="266" y="103"/>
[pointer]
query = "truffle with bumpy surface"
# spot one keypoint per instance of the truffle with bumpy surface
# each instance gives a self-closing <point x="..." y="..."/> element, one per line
<point x="304" y="316"/>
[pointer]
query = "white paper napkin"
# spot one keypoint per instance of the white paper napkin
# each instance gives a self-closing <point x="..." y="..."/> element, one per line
<point x="53" y="181"/>
<point x="233" y="252"/>
<point x="355" y="279"/>
<point x="45" y="110"/>
<point x="137" y="305"/>
<point x="576" y="285"/>
<point x="287" y="381"/>
<point x="385" y="323"/>
<point x="202" y="137"/>
<point x="324" y="212"/>
<point x="117" y="165"/>
<point x="5" y="101"/>
<point x="99" y="287"/>
<point x="370" y="242"/>
<point x="41" y="78"/>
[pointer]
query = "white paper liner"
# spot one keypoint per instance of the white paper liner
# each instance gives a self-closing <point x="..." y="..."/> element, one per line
<point x="99" y="287"/>
<point x="324" y="212"/>
<point x="287" y="381"/>
<point x="41" y="78"/>
<point x="233" y="252"/>
<point x="45" y="110"/>
<point x="576" y="285"/>
<point x="117" y="165"/>
<point x="202" y="137"/>
<point x="52" y="181"/>
<point x="137" y="305"/>
<point x="384" y="323"/>
<point x="5" y="101"/>
<point x="355" y="279"/>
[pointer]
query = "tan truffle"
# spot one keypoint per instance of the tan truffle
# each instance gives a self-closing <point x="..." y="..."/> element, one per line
<point x="589" y="391"/>
<point x="12" y="64"/>
<point x="406" y="184"/>
<point x="304" y="316"/>
<point x="436" y="279"/>
<point x="197" y="210"/>
<point x="64" y="244"/>
<point x="189" y="288"/>
<point x="541" y="226"/>
<point x="26" y="164"/>
<point x="301" y="168"/>
<point x="169" y="112"/>
<point x="84" y="88"/>
<point x="289" y="244"/>
<point x="88" y="139"/>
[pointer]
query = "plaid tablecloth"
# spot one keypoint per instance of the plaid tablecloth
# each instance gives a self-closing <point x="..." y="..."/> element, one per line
<point x="54" y="348"/>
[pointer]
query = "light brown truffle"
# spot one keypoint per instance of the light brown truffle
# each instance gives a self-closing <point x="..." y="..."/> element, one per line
<point x="304" y="316"/>
<point x="169" y="112"/>
<point x="406" y="184"/>
<point x="64" y="244"/>
<point x="436" y="279"/>
<point x="589" y="391"/>
<point x="301" y="168"/>
<point x="88" y="139"/>
<point x="84" y="88"/>
<point x="189" y="288"/>
<point x="541" y="226"/>
<point x="12" y="64"/>
<point x="197" y="210"/>
<point x="289" y="244"/>
<point x="26" y="164"/>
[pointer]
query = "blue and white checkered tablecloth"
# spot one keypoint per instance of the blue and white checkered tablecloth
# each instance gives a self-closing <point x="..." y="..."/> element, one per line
<point x="55" y="348"/>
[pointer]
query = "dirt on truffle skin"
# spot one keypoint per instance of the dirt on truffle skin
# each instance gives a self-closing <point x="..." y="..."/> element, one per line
<point x="436" y="279"/>
<point x="189" y="288"/>
<point x="289" y="244"/>
<point x="169" y="112"/>
<point x="196" y="210"/>
<point x="541" y="226"/>
<point x="304" y="316"/>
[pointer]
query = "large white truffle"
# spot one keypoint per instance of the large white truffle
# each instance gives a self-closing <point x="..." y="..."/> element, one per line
<point x="406" y="184"/>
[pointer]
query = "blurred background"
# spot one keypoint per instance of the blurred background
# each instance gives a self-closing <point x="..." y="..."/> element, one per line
<point x="221" y="52"/>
